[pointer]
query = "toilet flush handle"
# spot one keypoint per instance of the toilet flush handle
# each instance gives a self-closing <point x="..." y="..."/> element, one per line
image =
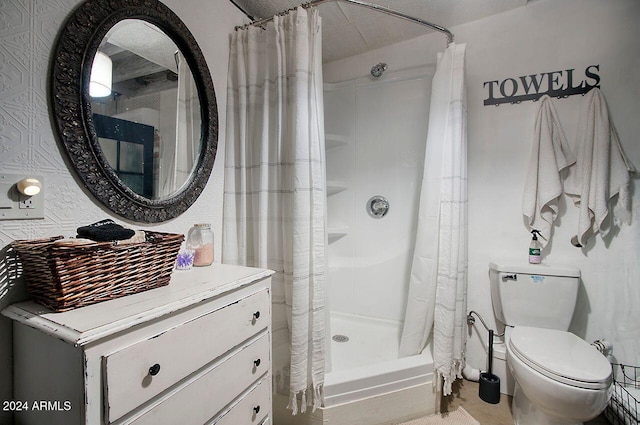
<point x="508" y="276"/>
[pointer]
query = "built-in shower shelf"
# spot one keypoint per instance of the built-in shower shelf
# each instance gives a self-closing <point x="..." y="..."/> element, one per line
<point x="336" y="232"/>
<point x="333" y="141"/>
<point x="335" y="186"/>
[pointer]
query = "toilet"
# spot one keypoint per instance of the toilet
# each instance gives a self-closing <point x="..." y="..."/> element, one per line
<point x="560" y="379"/>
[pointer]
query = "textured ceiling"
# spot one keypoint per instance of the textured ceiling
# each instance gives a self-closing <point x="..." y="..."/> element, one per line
<point x="349" y="29"/>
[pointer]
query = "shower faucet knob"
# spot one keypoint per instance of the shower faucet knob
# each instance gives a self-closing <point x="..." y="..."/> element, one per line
<point x="378" y="206"/>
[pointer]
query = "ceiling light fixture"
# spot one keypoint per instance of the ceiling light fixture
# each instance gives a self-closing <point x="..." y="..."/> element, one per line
<point x="101" y="76"/>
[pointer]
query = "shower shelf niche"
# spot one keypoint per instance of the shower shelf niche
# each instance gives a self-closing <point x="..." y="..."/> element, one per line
<point x="335" y="186"/>
<point x="336" y="232"/>
<point x="333" y="141"/>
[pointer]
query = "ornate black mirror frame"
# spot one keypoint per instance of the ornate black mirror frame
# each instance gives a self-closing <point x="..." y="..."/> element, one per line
<point x="69" y="95"/>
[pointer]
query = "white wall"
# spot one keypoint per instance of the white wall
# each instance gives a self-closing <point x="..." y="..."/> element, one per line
<point x="543" y="36"/>
<point x="27" y="142"/>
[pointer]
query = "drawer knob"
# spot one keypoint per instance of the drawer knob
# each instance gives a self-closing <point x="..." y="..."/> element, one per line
<point x="256" y="362"/>
<point x="256" y="409"/>
<point x="154" y="370"/>
<point x="256" y="315"/>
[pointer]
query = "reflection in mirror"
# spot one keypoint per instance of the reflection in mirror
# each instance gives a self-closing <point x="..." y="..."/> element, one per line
<point x="148" y="124"/>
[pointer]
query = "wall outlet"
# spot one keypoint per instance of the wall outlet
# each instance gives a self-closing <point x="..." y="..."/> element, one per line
<point x="26" y="203"/>
<point x="16" y="206"/>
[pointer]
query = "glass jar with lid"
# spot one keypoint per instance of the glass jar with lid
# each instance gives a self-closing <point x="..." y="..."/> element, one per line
<point x="200" y="240"/>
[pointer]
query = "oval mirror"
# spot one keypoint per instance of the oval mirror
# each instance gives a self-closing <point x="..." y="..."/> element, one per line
<point x="135" y="107"/>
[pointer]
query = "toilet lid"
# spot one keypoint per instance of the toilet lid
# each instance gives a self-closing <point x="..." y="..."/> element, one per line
<point x="561" y="356"/>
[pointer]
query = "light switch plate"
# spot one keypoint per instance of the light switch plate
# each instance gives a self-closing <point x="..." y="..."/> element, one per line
<point x="16" y="206"/>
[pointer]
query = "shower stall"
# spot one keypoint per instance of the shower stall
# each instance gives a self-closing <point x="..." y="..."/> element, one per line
<point x="375" y="141"/>
<point x="375" y="132"/>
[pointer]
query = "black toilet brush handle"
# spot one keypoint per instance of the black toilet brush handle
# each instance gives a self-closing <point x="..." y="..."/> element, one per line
<point x="490" y="349"/>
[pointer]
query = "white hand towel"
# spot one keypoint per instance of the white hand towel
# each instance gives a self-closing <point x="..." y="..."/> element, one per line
<point x="602" y="171"/>
<point x="550" y="155"/>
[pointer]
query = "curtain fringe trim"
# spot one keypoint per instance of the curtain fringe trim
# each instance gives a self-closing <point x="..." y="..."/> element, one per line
<point x="451" y="376"/>
<point x="315" y="401"/>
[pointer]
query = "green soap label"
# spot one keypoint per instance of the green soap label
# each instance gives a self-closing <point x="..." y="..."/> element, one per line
<point x="534" y="251"/>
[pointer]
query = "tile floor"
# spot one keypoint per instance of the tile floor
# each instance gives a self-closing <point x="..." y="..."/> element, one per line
<point x="465" y="394"/>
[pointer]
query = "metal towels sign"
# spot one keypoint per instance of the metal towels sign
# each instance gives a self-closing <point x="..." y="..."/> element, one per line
<point x="531" y="87"/>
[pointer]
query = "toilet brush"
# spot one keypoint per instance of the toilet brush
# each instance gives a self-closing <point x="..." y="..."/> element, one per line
<point x="489" y="388"/>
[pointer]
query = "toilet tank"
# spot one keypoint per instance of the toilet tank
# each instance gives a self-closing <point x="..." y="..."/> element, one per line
<point x="537" y="295"/>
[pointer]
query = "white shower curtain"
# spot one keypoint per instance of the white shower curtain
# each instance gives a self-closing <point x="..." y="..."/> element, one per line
<point x="178" y="158"/>
<point x="275" y="188"/>
<point x="438" y="282"/>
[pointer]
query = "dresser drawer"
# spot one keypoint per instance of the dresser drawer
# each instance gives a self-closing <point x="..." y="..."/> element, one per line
<point x="202" y="398"/>
<point x="251" y="409"/>
<point x="135" y="374"/>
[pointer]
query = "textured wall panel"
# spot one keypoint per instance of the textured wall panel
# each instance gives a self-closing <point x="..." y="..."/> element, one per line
<point x="27" y="143"/>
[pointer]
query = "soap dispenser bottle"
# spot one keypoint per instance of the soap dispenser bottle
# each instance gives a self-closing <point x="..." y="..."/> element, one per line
<point x="535" y="248"/>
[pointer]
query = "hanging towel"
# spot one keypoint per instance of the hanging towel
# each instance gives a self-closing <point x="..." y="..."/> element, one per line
<point x="550" y="155"/>
<point x="601" y="172"/>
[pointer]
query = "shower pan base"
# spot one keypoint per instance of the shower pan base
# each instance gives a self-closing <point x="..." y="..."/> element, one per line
<point x="384" y="409"/>
<point x="389" y="408"/>
<point x="378" y="394"/>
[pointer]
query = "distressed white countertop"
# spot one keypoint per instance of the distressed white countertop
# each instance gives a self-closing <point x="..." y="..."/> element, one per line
<point x="187" y="287"/>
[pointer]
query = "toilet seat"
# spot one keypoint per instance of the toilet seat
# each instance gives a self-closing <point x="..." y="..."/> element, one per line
<point x="561" y="356"/>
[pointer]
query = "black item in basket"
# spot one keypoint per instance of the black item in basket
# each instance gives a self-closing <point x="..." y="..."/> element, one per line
<point x="105" y="231"/>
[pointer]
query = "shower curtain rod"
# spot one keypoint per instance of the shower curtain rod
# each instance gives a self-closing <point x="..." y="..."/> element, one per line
<point x="382" y="9"/>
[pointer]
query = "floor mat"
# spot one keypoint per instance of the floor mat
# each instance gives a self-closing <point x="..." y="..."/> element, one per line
<point x="457" y="417"/>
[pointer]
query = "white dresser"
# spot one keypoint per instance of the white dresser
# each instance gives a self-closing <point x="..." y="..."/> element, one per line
<point x="197" y="351"/>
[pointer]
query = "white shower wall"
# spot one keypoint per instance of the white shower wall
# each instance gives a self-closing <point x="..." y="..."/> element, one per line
<point x="376" y="132"/>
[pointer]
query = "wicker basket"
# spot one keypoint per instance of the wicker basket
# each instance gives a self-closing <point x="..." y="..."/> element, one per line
<point x="64" y="277"/>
